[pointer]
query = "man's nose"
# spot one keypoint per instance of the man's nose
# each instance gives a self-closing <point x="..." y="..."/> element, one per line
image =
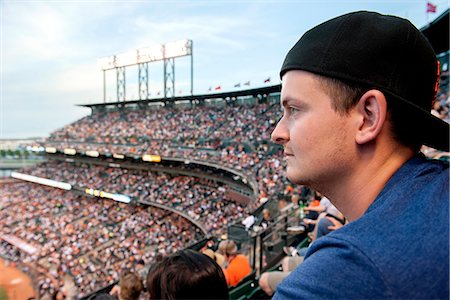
<point x="280" y="134"/>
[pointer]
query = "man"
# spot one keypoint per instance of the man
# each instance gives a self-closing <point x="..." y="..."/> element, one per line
<point x="129" y="288"/>
<point x="237" y="265"/>
<point x="267" y="220"/>
<point x="357" y="93"/>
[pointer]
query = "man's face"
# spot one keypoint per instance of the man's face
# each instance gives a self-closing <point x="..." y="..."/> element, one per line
<point x="317" y="141"/>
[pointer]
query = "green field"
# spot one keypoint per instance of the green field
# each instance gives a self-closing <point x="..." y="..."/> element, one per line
<point x="3" y="294"/>
<point x="18" y="163"/>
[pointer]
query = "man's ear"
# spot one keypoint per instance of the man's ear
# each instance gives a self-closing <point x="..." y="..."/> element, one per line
<point x="371" y="110"/>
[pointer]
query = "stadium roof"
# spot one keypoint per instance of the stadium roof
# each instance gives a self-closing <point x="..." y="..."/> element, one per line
<point x="233" y="94"/>
<point x="437" y="32"/>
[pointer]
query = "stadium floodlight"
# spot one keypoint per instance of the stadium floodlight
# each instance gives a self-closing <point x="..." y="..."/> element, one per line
<point x="151" y="158"/>
<point x="19" y="243"/>
<point x="92" y="153"/>
<point x="70" y="151"/>
<point x="121" y="198"/>
<point x="103" y="194"/>
<point x="118" y="156"/>
<point x="50" y="149"/>
<point x="37" y="149"/>
<point x="43" y="181"/>
<point x="177" y="48"/>
<point x="149" y="54"/>
<point x="126" y="59"/>
<point x="141" y="57"/>
<point x="107" y="63"/>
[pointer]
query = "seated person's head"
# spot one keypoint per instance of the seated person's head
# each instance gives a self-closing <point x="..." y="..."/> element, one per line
<point x="228" y="248"/>
<point x="186" y="275"/>
<point x="130" y="286"/>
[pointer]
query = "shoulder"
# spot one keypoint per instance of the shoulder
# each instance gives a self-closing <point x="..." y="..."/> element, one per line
<point x="238" y="261"/>
<point x="419" y="183"/>
<point x="334" y="268"/>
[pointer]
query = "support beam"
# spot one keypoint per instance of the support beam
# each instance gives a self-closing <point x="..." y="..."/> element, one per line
<point x="121" y="83"/>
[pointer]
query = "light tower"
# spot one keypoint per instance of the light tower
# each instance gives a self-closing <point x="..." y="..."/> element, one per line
<point x="142" y="57"/>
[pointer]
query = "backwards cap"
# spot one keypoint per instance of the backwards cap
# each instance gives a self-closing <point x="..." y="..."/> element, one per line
<point x="380" y="51"/>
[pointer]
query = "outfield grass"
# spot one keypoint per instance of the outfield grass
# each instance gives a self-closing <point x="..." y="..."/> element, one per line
<point x="18" y="163"/>
<point x="3" y="294"/>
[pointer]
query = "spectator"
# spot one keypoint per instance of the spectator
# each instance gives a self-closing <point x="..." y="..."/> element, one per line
<point x="317" y="212"/>
<point x="356" y="113"/>
<point x="129" y="288"/>
<point x="186" y="275"/>
<point x="267" y="220"/>
<point x="237" y="265"/>
<point x="217" y="257"/>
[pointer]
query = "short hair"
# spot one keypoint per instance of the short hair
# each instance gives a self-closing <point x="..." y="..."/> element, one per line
<point x="130" y="286"/>
<point x="186" y="274"/>
<point x="345" y="95"/>
<point x="101" y="296"/>
<point x="227" y="247"/>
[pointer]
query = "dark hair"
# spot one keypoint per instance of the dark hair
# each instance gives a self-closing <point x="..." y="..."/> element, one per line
<point x="130" y="286"/>
<point x="345" y="95"/>
<point x="186" y="275"/>
<point x="101" y="296"/>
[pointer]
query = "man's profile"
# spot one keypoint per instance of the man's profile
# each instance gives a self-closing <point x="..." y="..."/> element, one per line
<point x="357" y="91"/>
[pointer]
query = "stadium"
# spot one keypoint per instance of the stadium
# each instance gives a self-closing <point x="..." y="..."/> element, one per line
<point x="137" y="180"/>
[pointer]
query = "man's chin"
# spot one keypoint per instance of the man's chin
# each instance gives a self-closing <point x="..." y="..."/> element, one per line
<point x="294" y="178"/>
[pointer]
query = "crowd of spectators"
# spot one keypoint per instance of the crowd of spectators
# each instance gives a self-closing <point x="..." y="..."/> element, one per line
<point x="91" y="239"/>
<point x="185" y="127"/>
<point x="235" y="136"/>
<point x="204" y="201"/>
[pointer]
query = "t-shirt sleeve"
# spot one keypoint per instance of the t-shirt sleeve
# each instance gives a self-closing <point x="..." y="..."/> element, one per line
<point x="325" y="202"/>
<point x="333" y="269"/>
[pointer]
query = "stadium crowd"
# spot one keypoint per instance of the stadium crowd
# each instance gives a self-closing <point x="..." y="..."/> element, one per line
<point x="92" y="239"/>
<point x="191" y="195"/>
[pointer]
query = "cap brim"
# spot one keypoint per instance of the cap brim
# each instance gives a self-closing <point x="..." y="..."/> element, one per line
<point x="438" y="134"/>
<point x="435" y="132"/>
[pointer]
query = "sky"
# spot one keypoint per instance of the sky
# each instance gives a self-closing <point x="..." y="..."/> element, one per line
<point x="49" y="50"/>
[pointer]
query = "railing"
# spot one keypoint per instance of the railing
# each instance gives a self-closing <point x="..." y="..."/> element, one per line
<point x="264" y="246"/>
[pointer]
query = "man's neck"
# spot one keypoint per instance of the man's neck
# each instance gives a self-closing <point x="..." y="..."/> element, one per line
<point x="355" y="194"/>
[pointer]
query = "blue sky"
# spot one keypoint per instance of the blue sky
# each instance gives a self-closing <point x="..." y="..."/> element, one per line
<point x="49" y="49"/>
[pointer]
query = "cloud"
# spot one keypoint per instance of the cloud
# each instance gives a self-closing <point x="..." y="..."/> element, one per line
<point x="31" y="31"/>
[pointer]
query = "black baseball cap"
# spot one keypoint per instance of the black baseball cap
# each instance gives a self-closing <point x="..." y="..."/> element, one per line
<point x="384" y="52"/>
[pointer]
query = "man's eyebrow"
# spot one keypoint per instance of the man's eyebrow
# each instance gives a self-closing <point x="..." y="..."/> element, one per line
<point x="287" y="100"/>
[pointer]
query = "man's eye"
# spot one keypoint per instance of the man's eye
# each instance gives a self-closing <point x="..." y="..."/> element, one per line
<point x="292" y="110"/>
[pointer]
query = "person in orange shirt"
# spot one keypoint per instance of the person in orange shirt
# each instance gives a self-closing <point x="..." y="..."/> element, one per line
<point x="237" y="265"/>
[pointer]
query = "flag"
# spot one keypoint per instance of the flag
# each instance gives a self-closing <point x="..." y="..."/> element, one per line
<point x="218" y="88"/>
<point x="431" y="8"/>
<point x="210" y="88"/>
<point x="267" y="80"/>
<point x="237" y="85"/>
<point x="158" y="93"/>
<point x="247" y="83"/>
